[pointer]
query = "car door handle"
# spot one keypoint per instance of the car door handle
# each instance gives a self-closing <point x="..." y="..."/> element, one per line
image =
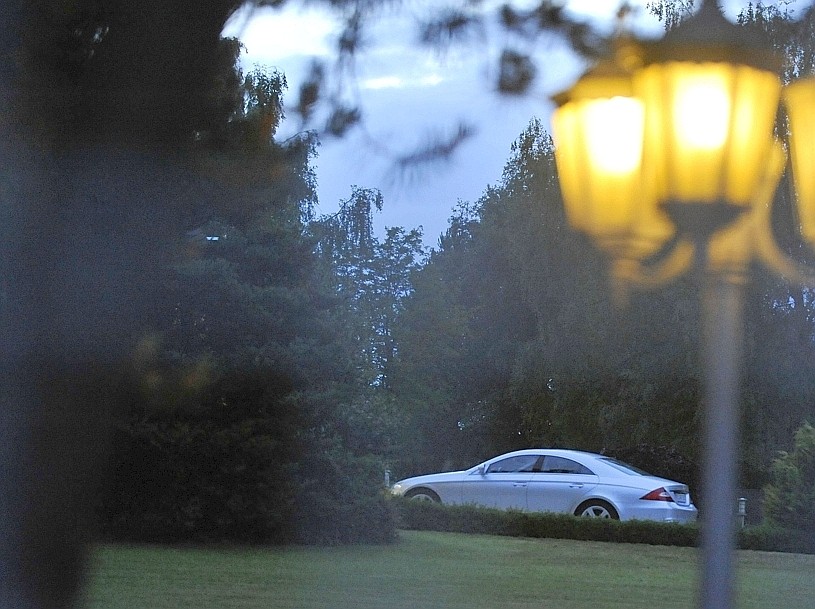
<point x="519" y="484"/>
<point x="575" y="485"/>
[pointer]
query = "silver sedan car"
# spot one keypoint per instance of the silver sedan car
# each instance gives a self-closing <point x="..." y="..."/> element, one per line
<point x="564" y="481"/>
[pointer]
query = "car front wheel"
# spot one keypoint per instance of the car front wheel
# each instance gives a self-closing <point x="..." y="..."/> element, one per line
<point x="594" y="508"/>
<point x="423" y="494"/>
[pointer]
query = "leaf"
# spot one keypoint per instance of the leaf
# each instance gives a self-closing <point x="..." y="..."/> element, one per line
<point x="342" y="119"/>
<point x="517" y="72"/>
<point x="451" y="26"/>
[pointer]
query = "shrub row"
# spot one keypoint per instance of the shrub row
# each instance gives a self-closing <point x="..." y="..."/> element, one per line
<point x="772" y="538"/>
<point x="428" y="516"/>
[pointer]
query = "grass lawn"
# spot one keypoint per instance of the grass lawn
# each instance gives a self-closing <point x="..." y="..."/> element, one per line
<point x="426" y="570"/>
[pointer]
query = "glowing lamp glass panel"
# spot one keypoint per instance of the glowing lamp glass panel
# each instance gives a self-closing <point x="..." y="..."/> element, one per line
<point x="598" y="150"/>
<point x="614" y="135"/>
<point x="800" y="102"/>
<point x="702" y="112"/>
<point x="708" y="129"/>
<point x="599" y="190"/>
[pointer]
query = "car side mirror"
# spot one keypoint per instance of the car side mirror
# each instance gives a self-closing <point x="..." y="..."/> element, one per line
<point x="482" y="471"/>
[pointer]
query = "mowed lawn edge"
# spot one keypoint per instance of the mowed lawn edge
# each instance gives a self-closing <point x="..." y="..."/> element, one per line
<point x="434" y="570"/>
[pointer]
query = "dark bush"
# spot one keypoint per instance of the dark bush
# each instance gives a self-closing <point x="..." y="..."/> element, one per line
<point x="789" y="498"/>
<point x="771" y="538"/>
<point x="341" y="500"/>
<point x="240" y="464"/>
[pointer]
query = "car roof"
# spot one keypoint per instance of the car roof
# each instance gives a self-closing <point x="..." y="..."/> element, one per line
<point x="556" y="452"/>
<point x="595" y="461"/>
<point x="599" y="464"/>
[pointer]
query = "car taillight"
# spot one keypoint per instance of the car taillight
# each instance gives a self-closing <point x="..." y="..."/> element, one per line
<point x="658" y="494"/>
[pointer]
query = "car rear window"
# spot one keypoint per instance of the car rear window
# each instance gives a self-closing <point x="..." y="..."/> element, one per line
<point x="624" y="467"/>
<point x="561" y="465"/>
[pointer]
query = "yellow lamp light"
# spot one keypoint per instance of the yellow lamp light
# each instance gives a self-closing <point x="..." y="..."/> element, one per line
<point x="799" y="99"/>
<point x="709" y="128"/>
<point x="598" y="133"/>
<point x="711" y="95"/>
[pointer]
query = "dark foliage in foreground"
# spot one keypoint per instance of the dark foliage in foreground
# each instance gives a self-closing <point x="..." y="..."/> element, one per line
<point x="241" y="465"/>
<point x="427" y="516"/>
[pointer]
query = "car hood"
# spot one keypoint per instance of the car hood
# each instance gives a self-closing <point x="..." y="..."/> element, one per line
<point x="430" y="478"/>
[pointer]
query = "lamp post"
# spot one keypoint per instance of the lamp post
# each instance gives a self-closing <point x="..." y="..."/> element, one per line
<point x="667" y="147"/>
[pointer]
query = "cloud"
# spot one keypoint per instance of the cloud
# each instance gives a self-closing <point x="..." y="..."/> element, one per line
<point x="397" y="82"/>
<point x="384" y="82"/>
<point x="431" y="80"/>
<point x="272" y="35"/>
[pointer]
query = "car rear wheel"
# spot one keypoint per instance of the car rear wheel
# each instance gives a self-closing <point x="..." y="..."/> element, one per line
<point x="595" y="508"/>
<point x="423" y="494"/>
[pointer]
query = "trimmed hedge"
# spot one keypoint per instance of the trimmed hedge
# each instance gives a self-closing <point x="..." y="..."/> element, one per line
<point x="771" y="538"/>
<point x="428" y="516"/>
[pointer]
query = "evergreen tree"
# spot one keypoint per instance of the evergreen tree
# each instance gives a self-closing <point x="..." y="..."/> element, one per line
<point x="242" y="431"/>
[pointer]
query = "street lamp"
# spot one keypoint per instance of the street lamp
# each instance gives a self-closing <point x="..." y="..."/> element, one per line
<point x="601" y="170"/>
<point x="666" y="157"/>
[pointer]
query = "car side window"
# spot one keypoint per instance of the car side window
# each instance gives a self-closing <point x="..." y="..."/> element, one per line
<point x="561" y="465"/>
<point x="520" y="463"/>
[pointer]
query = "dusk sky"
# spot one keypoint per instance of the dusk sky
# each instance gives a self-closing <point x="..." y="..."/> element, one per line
<point x="409" y="93"/>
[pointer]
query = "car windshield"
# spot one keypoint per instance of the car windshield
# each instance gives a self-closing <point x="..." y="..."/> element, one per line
<point x="624" y="467"/>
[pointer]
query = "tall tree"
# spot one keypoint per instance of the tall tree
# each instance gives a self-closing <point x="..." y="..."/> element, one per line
<point x="502" y="280"/>
<point x="371" y="276"/>
<point x="107" y="111"/>
<point x="244" y="426"/>
<point x="510" y="338"/>
<point x="779" y="390"/>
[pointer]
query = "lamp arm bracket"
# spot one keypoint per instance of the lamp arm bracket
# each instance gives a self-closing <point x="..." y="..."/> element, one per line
<point x="629" y="272"/>
<point x="772" y="256"/>
<point x="644" y="274"/>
